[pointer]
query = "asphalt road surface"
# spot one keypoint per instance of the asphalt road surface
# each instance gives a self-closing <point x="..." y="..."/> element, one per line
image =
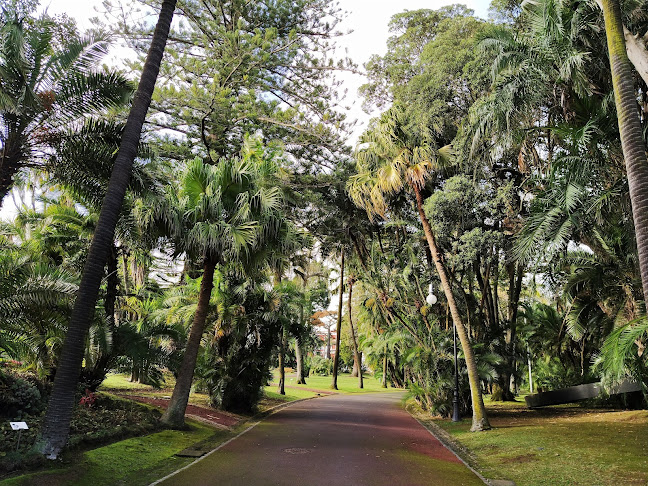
<point x="344" y="440"/>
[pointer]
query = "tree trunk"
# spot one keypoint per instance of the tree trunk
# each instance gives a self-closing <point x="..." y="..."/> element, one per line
<point x="299" y="356"/>
<point x="328" y="343"/>
<point x="634" y="149"/>
<point x="384" y="377"/>
<point x="336" y="360"/>
<point x="174" y="415"/>
<point x="479" y="418"/>
<point x="56" y="424"/>
<point x="125" y="271"/>
<point x="282" y="362"/>
<point x="635" y="48"/>
<point x="356" y="354"/>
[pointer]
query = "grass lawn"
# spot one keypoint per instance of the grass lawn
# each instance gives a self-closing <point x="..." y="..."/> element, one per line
<point x="136" y="461"/>
<point x="566" y="445"/>
<point x="346" y="384"/>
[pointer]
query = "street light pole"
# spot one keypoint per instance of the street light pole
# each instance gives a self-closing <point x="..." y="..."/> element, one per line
<point x="455" y="399"/>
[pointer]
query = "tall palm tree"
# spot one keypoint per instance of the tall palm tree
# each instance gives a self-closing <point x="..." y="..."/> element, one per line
<point x="632" y="142"/>
<point x="56" y="425"/>
<point x="222" y="214"/>
<point x="47" y="85"/>
<point x="390" y="161"/>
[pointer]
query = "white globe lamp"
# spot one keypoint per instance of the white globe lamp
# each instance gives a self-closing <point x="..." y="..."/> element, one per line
<point x="431" y="299"/>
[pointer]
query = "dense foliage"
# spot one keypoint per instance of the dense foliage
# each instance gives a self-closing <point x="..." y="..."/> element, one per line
<point x="493" y="172"/>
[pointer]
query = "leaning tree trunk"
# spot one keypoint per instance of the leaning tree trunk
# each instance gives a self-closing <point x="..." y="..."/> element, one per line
<point x="634" y="149"/>
<point x="174" y="415"/>
<point x="336" y="360"/>
<point x="479" y="418"/>
<point x="56" y="425"/>
<point x="356" y="354"/>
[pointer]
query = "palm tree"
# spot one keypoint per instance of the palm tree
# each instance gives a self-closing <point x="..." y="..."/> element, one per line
<point x="632" y="142"/>
<point x="392" y="160"/>
<point x="222" y="214"/>
<point x="47" y="85"/>
<point x="56" y="425"/>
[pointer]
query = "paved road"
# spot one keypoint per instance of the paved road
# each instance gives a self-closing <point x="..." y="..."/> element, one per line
<point x="348" y="440"/>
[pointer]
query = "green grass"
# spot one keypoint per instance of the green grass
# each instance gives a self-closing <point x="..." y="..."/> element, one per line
<point x="346" y="383"/>
<point x="558" y="446"/>
<point x="136" y="461"/>
<point x="118" y="381"/>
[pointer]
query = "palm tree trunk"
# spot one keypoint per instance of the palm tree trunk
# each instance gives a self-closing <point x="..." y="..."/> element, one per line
<point x="634" y="149"/>
<point x="282" y="362"/>
<point x="356" y="354"/>
<point x="336" y="360"/>
<point x="479" y="418"/>
<point x="299" y="356"/>
<point x="56" y="425"/>
<point x="384" y="376"/>
<point x="174" y="415"/>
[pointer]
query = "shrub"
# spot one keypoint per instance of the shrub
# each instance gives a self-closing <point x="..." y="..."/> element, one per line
<point x="320" y="366"/>
<point x="19" y="396"/>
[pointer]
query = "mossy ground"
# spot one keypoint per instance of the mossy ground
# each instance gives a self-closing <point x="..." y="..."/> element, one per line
<point x="556" y="446"/>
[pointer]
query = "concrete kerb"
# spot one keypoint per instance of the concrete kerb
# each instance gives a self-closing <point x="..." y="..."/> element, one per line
<point x="448" y="445"/>
<point x="259" y="418"/>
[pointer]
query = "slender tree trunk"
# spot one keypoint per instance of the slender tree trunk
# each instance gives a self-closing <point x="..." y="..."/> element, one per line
<point x="282" y="362"/>
<point x="299" y="355"/>
<point x="174" y="415"/>
<point x="336" y="360"/>
<point x="384" y="377"/>
<point x="479" y="418"/>
<point x="56" y="425"/>
<point x="125" y="271"/>
<point x="634" y="149"/>
<point x="328" y="343"/>
<point x="356" y="354"/>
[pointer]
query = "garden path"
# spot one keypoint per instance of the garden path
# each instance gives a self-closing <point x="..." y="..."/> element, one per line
<point x="365" y="439"/>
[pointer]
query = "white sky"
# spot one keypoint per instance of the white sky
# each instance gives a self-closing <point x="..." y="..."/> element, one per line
<point x="368" y="19"/>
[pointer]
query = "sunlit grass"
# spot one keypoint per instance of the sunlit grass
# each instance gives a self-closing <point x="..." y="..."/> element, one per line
<point x="345" y="382"/>
<point x="558" y="446"/>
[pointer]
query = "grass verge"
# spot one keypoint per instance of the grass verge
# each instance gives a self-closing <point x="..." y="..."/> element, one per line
<point x="560" y="446"/>
<point x="135" y="461"/>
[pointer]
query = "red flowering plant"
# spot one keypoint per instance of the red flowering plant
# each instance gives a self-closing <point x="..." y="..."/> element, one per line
<point x="89" y="399"/>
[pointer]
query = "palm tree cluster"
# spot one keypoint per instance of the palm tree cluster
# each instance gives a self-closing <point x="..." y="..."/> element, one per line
<point x="191" y="224"/>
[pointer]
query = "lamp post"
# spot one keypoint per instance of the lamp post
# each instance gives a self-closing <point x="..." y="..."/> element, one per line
<point x="431" y="300"/>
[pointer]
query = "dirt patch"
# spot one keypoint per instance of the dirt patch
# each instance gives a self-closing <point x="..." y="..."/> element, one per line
<point x="210" y="415"/>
